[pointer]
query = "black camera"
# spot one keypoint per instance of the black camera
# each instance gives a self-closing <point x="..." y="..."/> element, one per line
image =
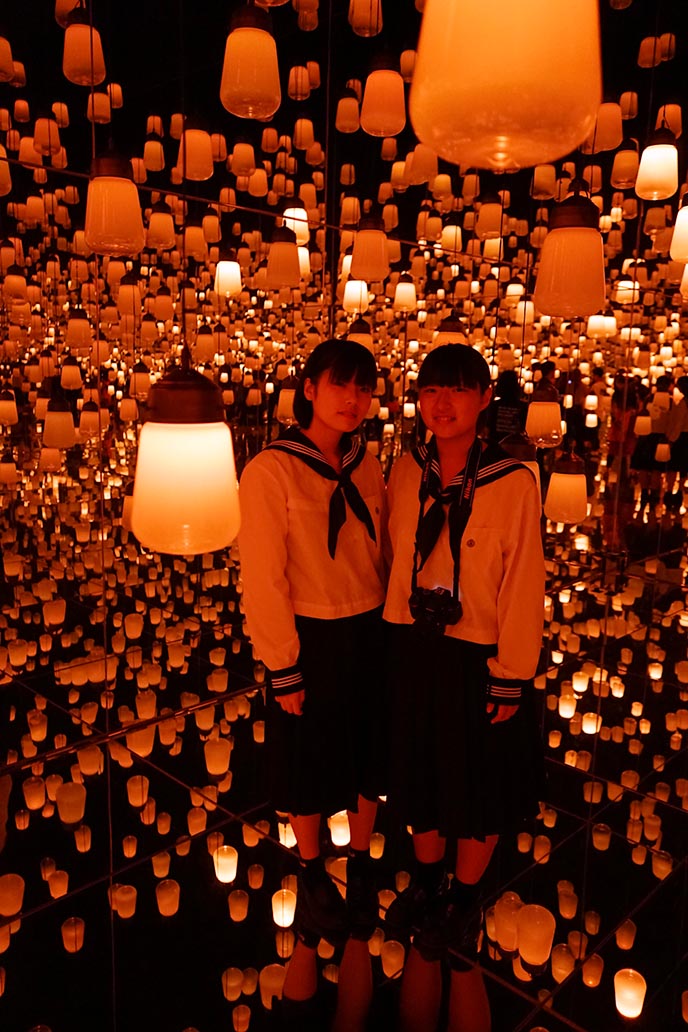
<point x="434" y="608"/>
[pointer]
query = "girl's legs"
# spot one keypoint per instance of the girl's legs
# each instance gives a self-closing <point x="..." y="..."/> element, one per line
<point x="472" y="858"/>
<point x="361" y="890"/>
<point x="307" y="832"/>
<point x="429" y="847"/>
<point x="361" y="822"/>
<point x="320" y="908"/>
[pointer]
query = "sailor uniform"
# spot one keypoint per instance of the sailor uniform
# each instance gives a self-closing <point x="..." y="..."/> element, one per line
<point x="313" y="578"/>
<point x="453" y="770"/>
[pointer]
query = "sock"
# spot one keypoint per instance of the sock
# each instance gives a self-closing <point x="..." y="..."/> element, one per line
<point x="464" y="896"/>
<point x="429" y="876"/>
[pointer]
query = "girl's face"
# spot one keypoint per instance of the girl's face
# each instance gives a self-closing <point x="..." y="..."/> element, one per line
<point x="337" y="406"/>
<point x="452" y="412"/>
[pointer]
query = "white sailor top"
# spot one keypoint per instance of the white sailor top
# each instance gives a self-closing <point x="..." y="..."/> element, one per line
<point x="304" y="551"/>
<point x="502" y="571"/>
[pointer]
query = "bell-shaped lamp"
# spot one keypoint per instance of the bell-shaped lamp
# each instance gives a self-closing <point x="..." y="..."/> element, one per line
<point x="185" y="489"/>
<point x="250" y="86"/>
<point x="114" y="225"/>
<point x="571" y="277"/>
<point x="497" y="86"/>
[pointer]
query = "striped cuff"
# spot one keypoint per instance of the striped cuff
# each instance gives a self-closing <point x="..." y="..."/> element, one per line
<point x="506" y="690"/>
<point x="286" y="681"/>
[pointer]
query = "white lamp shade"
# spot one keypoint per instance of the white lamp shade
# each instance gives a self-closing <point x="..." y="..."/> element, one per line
<point x="250" y="85"/>
<point x="566" y="500"/>
<point x="571" y="281"/>
<point x="505" y="86"/>
<point x="543" y="423"/>
<point x="185" y="490"/>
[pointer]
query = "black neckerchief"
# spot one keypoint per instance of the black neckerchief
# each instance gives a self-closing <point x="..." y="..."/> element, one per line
<point x="294" y="442"/>
<point x="457" y="496"/>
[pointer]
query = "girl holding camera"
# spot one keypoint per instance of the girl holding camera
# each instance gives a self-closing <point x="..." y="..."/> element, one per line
<point x="313" y="514"/>
<point x="465" y="609"/>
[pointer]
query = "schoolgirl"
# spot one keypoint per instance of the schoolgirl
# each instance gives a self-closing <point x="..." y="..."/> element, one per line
<point x="313" y="516"/>
<point x="465" y="609"/>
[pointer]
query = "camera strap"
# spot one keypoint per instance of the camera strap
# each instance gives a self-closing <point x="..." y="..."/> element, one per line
<point x="430" y="523"/>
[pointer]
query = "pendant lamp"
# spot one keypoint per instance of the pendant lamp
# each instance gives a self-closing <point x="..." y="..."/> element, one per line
<point x="114" y="225"/>
<point x="283" y="269"/>
<point x="365" y="17"/>
<point x="506" y="86"/>
<point x="571" y="279"/>
<point x="370" y="260"/>
<point x="250" y="86"/>
<point x="185" y="488"/>
<point x="566" y="500"/>
<point x="658" y="173"/>
<point x="678" y="248"/>
<point x="82" y="58"/>
<point x="383" y="111"/>
<point x="228" y="278"/>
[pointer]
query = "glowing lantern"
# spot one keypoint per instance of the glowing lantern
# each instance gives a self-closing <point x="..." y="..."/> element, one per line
<point x="629" y="992"/>
<point x="250" y="86"/>
<point x="185" y="490"/>
<point x="225" y="859"/>
<point x="82" y="59"/>
<point x="571" y="279"/>
<point x="114" y="225"/>
<point x="658" y="173"/>
<point x="505" y="87"/>
<point x="383" y="111"/>
<point x="283" y="907"/>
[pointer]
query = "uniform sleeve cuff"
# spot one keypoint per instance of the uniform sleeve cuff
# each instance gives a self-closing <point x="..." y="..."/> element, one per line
<point x="507" y="691"/>
<point x="286" y="681"/>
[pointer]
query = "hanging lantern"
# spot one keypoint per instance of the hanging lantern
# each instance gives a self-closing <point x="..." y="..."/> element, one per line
<point x="296" y="219"/>
<point x="250" y="86"/>
<point x="543" y="424"/>
<point x="625" y="167"/>
<point x="82" y="59"/>
<point x="535" y="935"/>
<point x="283" y="269"/>
<point x="8" y="409"/>
<point x="571" y="280"/>
<point x="161" y="233"/>
<point x="678" y="248"/>
<point x="347" y="118"/>
<point x="658" y="173"/>
<point x="195" y="156"/>
<point x="59" y="430"/>
<point x="355" y="296"/>
<point x="506" y="86"/>
<point x="370" y="260"/>
<point x="450" y="239"/>
<point x="383" y="111"/>
<point x="365" y="17"/>
<point x="629" y="992"/>
<point x="114" y="225"/>
<point x="185" y="490"/>
<point x="405" y="294"/>
<point x="566" y="500"/>
<point x="228" y="278"/>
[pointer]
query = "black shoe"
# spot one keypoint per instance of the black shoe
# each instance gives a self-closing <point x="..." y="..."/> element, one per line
<point x="414" y="906"/>
<point x="361" y="899"/>
<point x="320" y="909"/>
<point x="460" y="935"/>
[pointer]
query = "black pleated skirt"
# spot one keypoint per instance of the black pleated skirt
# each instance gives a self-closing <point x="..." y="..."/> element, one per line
<point x="451" y="770"/>
<point x="321" y="761"/>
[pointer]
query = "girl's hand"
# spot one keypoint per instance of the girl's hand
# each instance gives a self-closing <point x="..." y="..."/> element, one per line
<point x="500" y="713"/>
<point x="292" y="703"/>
